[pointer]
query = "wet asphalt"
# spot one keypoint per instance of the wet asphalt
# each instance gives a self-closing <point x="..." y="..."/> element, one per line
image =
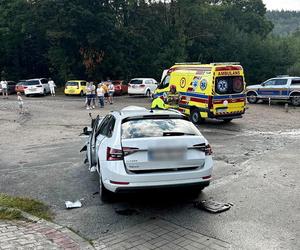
<point x="256" y="169"/>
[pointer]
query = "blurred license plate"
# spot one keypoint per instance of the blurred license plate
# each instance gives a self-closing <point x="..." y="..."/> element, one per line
<point x="167" y="155"/>
<point x="222" y="110"/>
<point x="33" y="89"/>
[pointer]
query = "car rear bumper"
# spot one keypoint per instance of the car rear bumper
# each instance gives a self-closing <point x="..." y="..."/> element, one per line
<point x="35" y="92"/>
<point x="117" y="179"/>
<point x="136" y="91"/>
<point x="72" y="92"/>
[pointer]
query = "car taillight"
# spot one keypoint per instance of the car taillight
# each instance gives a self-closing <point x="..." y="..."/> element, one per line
<point x="142" y="86"/>
<point x="210" y="102"/>
<point x="129" y="151"/>
<point x="114" y="154"/>
<point x="206" y="148"/>
<point x="25" y="87"/>
<point x="39" y="86"/>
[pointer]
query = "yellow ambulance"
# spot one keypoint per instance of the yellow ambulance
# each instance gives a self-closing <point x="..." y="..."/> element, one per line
<point x="201" y="91"/>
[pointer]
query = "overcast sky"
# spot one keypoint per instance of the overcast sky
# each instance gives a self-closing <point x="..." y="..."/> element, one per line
<point x="282" y="4"/>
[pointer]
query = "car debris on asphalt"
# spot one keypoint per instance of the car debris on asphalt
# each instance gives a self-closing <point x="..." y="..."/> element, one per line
<point x="71" y="204"/>
<point x="212" y="206"/>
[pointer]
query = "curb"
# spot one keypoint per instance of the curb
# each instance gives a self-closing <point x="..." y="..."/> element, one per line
<point x="82" y="243"/>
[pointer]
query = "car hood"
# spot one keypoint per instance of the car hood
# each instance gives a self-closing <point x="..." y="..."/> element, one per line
<point x="253" y="87"/>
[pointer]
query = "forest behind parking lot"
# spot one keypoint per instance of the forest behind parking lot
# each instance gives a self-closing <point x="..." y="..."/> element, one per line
<point x="95" y="39"/>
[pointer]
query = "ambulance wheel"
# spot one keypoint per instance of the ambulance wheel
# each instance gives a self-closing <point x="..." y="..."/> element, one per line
<point x="252" y="98"/>
<point x="195" y="116"/>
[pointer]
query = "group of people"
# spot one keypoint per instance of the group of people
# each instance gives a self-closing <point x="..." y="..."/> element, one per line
<point x="104" y="92"/>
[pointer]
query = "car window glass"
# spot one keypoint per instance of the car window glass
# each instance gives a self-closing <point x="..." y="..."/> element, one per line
<point x="269" y="83"/>
<point x="136" y="81"/>
<point x="148" y="82"/>
<point x="103" y="126"/>
<point x="33" y="82"/>
<point x="280" y="82"/>
<point x="44" y="81"/>
<point x="295" y="82"/>
<point x="110" y="127"/>
<point x="156" y="128"/>
<point x="165" y="83"/>
<point x="83" y="83"/>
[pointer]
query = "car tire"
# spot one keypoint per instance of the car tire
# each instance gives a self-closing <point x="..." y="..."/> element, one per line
<point x="81" y="93"/>
<point x="195" y="116"/>
<point x="148" y="93"/>
<point x="45" y="92"/>
<point x="252" y="97"/>
<point x="295" y="99"/>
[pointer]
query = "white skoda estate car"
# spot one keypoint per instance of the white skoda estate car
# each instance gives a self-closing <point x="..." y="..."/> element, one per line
<point x="142" y="86"/>
<point x="138" y="148"/>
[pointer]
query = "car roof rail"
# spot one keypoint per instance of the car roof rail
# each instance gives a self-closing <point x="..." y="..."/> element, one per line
<point x="188" y="63"/>
<point x="283" y="76"/>
<point x="225" y="63"/>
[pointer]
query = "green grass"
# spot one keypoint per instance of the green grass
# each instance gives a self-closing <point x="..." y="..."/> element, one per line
<point x="28" y="205"/>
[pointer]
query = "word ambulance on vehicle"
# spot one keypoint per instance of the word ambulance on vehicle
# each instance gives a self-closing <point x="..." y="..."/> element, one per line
<point x="201" y="91"/>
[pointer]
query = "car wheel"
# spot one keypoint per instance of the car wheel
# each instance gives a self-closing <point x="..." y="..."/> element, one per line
<point x="227" y="120"/>
<point x="103" y="192"/>
<point x="195" y="116"/>
<point x="81" y="93"/>
<point x="45" y="92"/>
<point x="252" y="97"/>
<point x="148" y="93"/>
<point x="295" y="99"/>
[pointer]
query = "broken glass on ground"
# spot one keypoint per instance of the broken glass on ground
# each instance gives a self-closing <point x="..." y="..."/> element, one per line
<point x="212" y="206"/>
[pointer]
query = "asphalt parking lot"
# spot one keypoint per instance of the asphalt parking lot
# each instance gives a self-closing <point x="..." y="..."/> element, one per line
<point x="256" y="169"/>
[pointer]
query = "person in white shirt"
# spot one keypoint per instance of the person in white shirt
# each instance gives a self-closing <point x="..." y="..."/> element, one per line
<point x="20" y="102"/>
<point x="4" y="89"/>
<point x="52" y="86"/>
<point x="100" y="94"/>
<point x="111" y="91"/>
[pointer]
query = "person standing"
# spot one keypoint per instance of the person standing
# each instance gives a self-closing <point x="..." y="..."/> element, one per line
<point x="111" y="91"/>
<point x="88" y="95"/>
<point x="20" y="103"/>
<point x="52" y="86"/>
<point x="100" y="94"/>
<point x="93" y="97"/>
<point x="4" y="88"/>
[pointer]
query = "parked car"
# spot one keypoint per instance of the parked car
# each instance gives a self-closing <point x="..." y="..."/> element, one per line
<point x="37" y="86"/>
<point x="280" y="88"/>
<point x="75" y="87"/>
<point x="10" y="87"/>
<point x="136" y="148"/>
<point x="121" y="87"/>
<point x="142" y="86"/>
<point x="20" y="86"/>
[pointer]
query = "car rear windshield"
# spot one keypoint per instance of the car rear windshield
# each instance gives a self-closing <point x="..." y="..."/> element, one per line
<point x="229" y="85"/>
<point x="72" y="84"/>
<point x="157" y="128"/>
<point x="136" y="81"/>
<point x="33" y="82"/>
<point x="21" y="83"/>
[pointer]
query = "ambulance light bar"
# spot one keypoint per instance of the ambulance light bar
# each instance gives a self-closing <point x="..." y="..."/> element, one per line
<point x="188" y="63"/>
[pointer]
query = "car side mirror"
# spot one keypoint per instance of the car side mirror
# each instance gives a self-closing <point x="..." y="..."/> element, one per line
<point x="263" y="84"/>
<point x="86" y="131"/>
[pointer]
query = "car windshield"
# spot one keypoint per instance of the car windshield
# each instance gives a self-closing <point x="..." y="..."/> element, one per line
<point x="72" y="84"/>
<point x="136" y="81"/>
<point x="157" y="128"/>
<point x="33" y="82"/>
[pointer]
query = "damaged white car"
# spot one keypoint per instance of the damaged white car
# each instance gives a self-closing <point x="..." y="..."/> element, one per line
<point x="136" y="148"/>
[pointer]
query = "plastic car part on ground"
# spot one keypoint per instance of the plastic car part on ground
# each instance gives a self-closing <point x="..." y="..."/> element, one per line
<point x="212" y="206"/>
<point x="71" y="204"/>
